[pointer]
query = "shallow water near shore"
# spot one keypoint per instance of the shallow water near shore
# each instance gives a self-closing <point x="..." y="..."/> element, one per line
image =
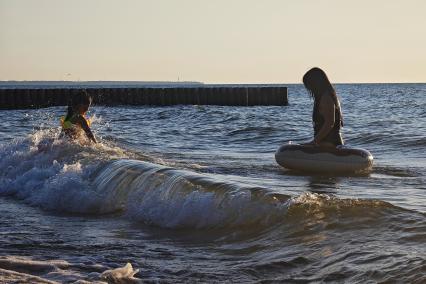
<point x="193" y="193"/>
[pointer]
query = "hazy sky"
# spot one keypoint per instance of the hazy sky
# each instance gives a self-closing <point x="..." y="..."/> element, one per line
<point x="217" y="41"/>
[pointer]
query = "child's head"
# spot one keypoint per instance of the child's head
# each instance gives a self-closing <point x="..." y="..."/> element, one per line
<point x="316" y="81"/>
<point x="81" y="102"/>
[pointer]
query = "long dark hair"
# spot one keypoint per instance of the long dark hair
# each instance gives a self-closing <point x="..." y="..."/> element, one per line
<point x="317" y="83"/>
<point x="81" y="98"/>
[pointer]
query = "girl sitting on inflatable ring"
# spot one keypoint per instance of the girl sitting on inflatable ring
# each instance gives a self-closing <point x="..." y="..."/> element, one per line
<point x="327" y="115"/>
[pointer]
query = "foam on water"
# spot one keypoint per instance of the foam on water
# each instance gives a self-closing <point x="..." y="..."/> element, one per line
<point x="57" y="174"/>
<point x="14" y="269"/>
<point x="53" y="173"/>
<point x="61" y="175"/>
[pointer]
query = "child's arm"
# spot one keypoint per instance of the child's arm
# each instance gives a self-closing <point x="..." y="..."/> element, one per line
<point x="86" y="128"/>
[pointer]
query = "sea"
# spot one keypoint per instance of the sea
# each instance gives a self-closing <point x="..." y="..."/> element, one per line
<point x="193" y="194"/>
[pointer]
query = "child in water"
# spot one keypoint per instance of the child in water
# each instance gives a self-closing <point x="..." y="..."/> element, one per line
<point x="75" y="121"/>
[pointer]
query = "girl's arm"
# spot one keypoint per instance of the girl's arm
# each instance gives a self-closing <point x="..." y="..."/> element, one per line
<point x="86" y="128"/>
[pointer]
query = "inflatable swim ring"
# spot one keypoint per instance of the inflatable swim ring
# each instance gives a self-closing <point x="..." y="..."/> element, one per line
<point x="342" y="159"/>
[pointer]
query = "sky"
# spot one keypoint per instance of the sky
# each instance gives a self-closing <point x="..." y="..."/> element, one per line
<point x="220" y="41"/>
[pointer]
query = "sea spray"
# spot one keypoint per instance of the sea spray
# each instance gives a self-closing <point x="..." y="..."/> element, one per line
<point x="62" y="175"/>
<point x="53" y="173"/>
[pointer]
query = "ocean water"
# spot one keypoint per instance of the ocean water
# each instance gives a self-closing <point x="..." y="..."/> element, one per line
<point x="193" y="194"/>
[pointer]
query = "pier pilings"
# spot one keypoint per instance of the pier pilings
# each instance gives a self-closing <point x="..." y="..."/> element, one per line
<point x="21" y="98"/>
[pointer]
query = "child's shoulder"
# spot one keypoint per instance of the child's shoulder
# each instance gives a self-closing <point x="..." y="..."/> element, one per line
<point x="82" y="120"/>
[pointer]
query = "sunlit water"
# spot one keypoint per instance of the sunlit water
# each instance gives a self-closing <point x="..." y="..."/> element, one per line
<point x="193" y="193"/>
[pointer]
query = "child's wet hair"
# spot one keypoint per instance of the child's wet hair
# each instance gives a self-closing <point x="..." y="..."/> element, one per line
<point x="81" y="98"/>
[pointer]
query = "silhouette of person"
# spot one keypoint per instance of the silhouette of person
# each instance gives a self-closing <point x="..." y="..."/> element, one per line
<point x="327" y="115"/>
<point x="75" y="121"/>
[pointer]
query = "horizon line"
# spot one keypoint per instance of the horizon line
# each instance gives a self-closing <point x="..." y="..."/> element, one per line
<point x="192" y="82"/>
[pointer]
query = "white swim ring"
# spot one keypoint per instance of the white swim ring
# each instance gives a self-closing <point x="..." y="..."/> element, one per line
<point x="332" y="160"/>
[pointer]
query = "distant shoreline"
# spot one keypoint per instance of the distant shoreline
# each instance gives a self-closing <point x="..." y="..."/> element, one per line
<point x="172" y="83"/>
<point x="120" y="84"/>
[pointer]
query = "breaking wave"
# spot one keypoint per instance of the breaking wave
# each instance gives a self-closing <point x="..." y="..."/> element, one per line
<point x="60" y="175"/>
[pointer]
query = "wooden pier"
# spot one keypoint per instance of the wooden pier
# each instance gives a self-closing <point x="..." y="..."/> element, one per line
<point x="21" y="98"/>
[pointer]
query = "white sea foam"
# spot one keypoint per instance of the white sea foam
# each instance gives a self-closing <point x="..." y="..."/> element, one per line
<point x="57" y="174"/>
<point x="53" y="173"/>
<point x="18" y="269"/>
<point x="62" y="175"/>
<point x="121" y="274"/>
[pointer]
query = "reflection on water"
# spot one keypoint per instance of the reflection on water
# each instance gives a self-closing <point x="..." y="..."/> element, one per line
<point x="318" y="184"/>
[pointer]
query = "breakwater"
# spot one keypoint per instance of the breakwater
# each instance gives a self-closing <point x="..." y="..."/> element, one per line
<point x="20" y="98"/>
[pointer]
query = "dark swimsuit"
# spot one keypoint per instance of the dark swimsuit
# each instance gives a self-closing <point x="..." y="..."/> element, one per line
<point x="333" y="136"/>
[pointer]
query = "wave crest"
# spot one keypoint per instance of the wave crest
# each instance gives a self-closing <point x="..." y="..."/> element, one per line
<point x="58" y="175"/>
<point x="173" y="198"/>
